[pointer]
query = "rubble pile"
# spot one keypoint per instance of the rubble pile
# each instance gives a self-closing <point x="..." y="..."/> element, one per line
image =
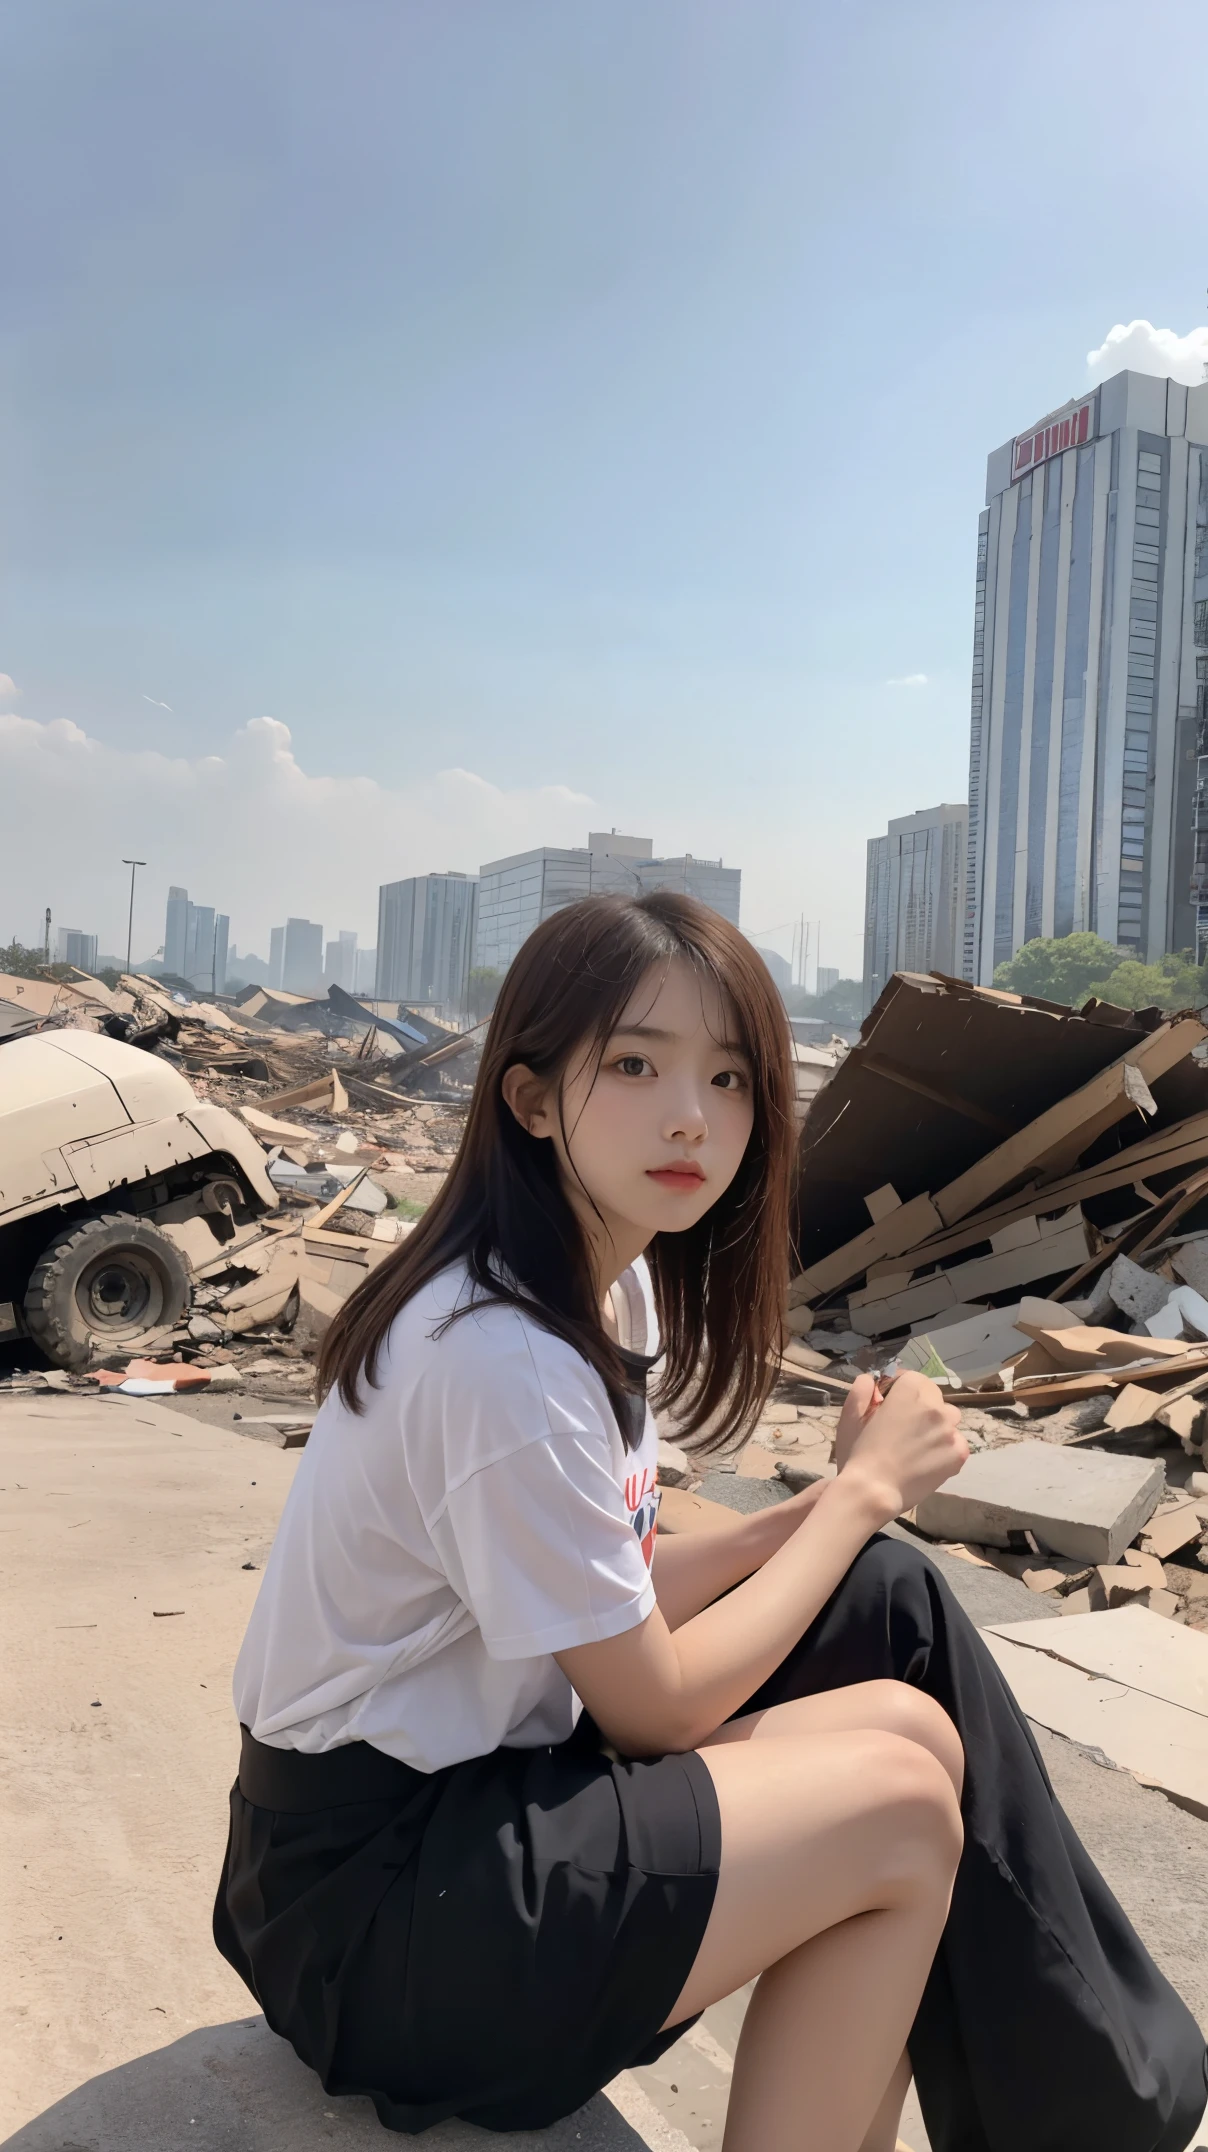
<point x="359" y="1113"/>
<point x="1013" y="1197"/>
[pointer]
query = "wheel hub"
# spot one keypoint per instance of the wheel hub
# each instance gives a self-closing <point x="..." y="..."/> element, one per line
<point x="115" y="1293"/>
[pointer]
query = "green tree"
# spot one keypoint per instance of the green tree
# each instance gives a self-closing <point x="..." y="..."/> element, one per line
<point x="21" y="963"/>
<point x="1064" y="969"/>
<point x="1172" y="983"/>
<point x="482" y="991"/>
<point x="844" y="1004"/>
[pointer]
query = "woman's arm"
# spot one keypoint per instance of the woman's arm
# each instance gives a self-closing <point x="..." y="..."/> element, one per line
<point x="692" y="1569"/>
<point x="654" y="1689"/>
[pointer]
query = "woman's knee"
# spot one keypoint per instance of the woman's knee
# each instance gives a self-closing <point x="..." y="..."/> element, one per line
<point x="915" y="1716"/>
<point x="920" y="1814"/>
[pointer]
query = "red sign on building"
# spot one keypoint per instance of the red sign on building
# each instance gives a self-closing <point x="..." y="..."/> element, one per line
<point x="1053" y="439"/>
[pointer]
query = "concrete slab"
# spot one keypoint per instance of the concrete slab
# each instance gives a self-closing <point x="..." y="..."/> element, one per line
<point x="1086" y="1503"/>
<point x="1161" y="1744"/>
<point x="238" y="2088"/>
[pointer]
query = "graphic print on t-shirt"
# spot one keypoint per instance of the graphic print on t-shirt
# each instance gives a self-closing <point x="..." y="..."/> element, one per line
<point x="642" y="1502"/>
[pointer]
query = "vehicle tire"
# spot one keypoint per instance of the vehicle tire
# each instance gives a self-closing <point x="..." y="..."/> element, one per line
<point x="100" y="1286"/>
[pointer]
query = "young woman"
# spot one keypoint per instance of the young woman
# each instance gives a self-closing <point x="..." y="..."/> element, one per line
<point x="454" y="1893"/>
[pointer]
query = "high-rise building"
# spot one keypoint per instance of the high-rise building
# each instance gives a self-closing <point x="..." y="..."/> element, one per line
<point x="276" y="955"/>
<point x="195" y="943"/>
<point x="828" y="976"/>
<point x="425" y="939"/>
<point x="175" y="930"/>
<point x="340" y="963"/>
<point x="74" y="947"/>
<point x="366" y="973"/>
<point x="302" y="957"/>
<point x="913" y="903"/>
<point x="1086" y="676"/>
<point x="516" y="894"/>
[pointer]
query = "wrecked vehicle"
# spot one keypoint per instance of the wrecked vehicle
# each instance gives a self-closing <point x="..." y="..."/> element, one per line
<point x="111" y="1174"/>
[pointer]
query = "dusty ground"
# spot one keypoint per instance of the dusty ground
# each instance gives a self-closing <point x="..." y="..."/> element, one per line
<point x="125" y="1528"/>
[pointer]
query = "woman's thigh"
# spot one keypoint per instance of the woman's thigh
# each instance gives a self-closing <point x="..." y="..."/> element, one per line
<point x="890" y="1707"/>
<point x="814" y="1830"/>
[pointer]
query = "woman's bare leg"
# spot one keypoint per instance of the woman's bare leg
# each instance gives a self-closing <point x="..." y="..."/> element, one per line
<point x="883" y="2135"/>
<point x="888" y="1707"/>
<point x="838" y="1853"/>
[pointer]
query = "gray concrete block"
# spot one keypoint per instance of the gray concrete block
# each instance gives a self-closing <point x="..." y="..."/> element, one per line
<point x="237" y="2088"/>
<point x="1085" y="1503"/>
<point x="1136" y="1292"/>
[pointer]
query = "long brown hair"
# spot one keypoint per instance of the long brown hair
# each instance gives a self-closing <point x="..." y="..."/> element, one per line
<point x="719" y="1286"/>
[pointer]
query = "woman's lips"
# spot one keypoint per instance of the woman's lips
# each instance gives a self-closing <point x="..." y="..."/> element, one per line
<point x="684" y="1179"/>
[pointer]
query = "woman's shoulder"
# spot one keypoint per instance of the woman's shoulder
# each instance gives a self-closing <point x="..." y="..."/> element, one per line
<point x="454" y="1333"/>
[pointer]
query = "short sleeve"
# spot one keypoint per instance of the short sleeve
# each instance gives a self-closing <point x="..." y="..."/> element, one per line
<point x="539" y="1546"/>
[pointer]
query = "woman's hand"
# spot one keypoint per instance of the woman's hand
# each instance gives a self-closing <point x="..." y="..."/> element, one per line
<point x="903" y="1447"/>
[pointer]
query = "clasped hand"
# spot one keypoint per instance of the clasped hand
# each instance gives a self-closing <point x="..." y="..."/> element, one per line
<point x="905" y="1444"/>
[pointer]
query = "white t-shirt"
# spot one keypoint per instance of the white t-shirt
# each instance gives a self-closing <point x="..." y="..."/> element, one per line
<point x="479" y="1514"/>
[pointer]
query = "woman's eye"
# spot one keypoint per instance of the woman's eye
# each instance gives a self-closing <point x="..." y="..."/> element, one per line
<point x="730" y="1080"/>
<point x="632" y="1064"/>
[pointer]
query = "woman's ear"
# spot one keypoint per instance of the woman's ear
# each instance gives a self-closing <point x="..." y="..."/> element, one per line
<point x="528" y="1096"/>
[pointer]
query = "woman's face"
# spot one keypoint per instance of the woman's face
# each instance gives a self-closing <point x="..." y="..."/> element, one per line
<point x="655" y="1132"/>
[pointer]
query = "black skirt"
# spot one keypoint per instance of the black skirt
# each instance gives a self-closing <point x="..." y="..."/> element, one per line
<point x="493" y="1941"/>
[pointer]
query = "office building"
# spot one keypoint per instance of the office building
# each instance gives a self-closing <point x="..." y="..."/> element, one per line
<point x="1086" y="677"/>
<point x="175" y="930"/>
<point x="425" y="939"/>
<point x="827" y="977"/>
<point x="195" y="943"/>
<point x="302" y="957"/>
<point x="340" y="963"/>
<point x="516" y="894"/>
<point x="276" y="955"/>
<point x="366" y="973"/>
<point x="73" y="947"/>
<point x="913" y="903"/>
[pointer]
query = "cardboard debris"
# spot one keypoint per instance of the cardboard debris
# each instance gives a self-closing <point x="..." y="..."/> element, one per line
<point x="1171" y="1529"/>
<point x="975" y="1144"/>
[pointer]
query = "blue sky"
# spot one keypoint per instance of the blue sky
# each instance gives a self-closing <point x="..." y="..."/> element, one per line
<point x="545" y="415"/>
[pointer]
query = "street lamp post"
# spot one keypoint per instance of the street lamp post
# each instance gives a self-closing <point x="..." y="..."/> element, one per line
<point x="134" y="865"/>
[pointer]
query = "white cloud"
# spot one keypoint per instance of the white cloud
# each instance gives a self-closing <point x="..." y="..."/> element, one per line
<point x="157" y="705"/>
<point x="249" y="830"/>
<point x="908" y="680"/>
<point x="9" y="690"/>
<point x="1151" y="351"/>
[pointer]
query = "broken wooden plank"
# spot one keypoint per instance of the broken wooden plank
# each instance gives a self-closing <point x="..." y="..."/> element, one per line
<point x="1082" y="1114"/>
<point x="1184" y="1144"/>
<point x="301" y="1094"/>
<point x="899" y="1230"/>
<point x="875" y="1313"/>
<point x="329" y="1210"/>
<point x="881" y="1202"/>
